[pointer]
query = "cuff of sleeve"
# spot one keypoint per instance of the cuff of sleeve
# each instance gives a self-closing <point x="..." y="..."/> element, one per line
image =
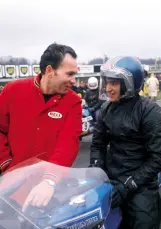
<point x="4" y="165"/>
<point x="52" y="177"/>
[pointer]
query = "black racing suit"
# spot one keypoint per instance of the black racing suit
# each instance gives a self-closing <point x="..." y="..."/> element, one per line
<point x="132" y="131"/>
<point x="93" y="101"/>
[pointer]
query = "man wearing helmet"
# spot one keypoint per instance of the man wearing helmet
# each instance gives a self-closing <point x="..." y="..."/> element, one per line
<point x="92" y="97"/>
<point x="127" y="144"/>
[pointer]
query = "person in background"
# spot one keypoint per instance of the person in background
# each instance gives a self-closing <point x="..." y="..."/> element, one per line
<point x="42" y="115"/>
<point x="92" y="97"/>
<point x="153" y="87"/>
<point x="82" y="89"/>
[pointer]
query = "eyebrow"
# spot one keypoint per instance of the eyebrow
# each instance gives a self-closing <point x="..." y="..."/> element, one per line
<point x="72" y="72"/>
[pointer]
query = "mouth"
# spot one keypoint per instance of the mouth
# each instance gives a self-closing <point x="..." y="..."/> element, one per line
<point x="111" y="94"/>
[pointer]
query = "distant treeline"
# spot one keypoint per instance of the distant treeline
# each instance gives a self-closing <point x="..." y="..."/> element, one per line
<point x="9" y="60"/>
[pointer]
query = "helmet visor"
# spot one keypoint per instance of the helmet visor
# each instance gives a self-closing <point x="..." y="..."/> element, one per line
<point x="115" y="76"/>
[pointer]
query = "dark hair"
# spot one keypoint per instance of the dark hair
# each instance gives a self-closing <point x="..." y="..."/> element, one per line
<point x="54" y="55"/>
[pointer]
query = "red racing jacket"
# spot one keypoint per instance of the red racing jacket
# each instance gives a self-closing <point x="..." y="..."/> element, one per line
<point x="29" y="127"/>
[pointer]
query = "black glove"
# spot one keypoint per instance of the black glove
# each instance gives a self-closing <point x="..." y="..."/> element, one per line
<point x="91" y="109"/>
<point x="130" y="184"/>
<point x="121" y="191"/>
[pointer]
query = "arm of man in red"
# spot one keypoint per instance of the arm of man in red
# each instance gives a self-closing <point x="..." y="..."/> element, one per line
<point x="67" y="145"/>
<point x="5" y="151"/>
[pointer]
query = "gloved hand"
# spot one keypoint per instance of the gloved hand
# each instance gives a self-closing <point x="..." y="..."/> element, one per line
<point x="91" y="109"/>
<point x="121" y="191"/>
<point x="118" y="195"/>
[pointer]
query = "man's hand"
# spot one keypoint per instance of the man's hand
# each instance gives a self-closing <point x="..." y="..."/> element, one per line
<point x="40" y="195"/>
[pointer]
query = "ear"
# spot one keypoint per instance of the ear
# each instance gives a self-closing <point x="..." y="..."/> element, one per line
<point x="49" y="70"/>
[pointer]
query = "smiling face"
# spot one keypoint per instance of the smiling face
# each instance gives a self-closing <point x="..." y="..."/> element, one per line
<point x="60" y="80"/>
<point x="113" y="88"/>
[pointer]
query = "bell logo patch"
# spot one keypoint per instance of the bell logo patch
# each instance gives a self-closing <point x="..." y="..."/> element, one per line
<point x="55" y="115"/>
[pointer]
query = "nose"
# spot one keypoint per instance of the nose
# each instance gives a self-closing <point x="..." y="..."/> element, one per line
<point x="108" y="87"/>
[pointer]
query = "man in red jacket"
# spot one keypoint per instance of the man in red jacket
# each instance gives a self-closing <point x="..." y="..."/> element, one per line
<point x="42" y="115"/>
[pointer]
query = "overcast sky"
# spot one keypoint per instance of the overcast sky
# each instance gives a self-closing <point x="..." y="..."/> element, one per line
<point x="92" y="27"/>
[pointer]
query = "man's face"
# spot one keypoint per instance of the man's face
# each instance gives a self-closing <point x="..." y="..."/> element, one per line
<point x="113" y="90"/>
<point x="81" y="84"/>
<point x="63" y="78"/>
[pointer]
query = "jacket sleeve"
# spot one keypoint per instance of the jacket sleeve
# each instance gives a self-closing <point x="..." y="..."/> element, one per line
<point x="67" y="146"/>
<point x="151" y="128"/>
<point x="100" y="141"/>
<point x="5" y="151"/>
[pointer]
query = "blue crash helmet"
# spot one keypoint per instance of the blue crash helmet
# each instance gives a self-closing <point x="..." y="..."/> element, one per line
<point x="128" y="70"/>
